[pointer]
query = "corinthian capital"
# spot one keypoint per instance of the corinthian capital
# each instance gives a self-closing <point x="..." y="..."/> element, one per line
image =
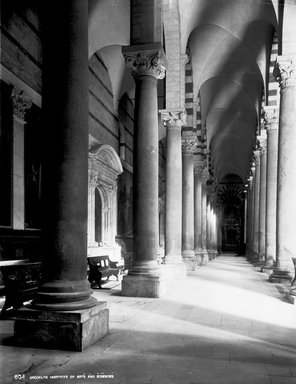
<point x="149" y="60"/>
<point x="285" y="71"/>
<point x="21" y="102"/>
<point x="271" y="118"/>
<point x="189" y="144"/>
<point x="174" y="118"/>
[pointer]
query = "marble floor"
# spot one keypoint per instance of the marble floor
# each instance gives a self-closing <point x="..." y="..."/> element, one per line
<point x="224" y="324"/>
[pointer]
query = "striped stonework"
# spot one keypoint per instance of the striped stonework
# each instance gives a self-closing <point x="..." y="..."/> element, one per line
<point x="273" y="86"/>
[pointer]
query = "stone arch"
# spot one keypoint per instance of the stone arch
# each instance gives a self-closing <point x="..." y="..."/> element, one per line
<point x="104" y="167"/>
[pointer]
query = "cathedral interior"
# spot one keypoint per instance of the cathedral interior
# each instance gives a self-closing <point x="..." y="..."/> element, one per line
<point x="148" y="180"/>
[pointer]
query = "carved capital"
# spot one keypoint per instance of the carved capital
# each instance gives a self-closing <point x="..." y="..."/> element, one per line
<point x="174" y="118"/>
<point x="256" y="157"/>
<point x="146" y="62"/>
<point x="199" y="167"/>
<point x="21" y="102"/>
<point x="285" y="71"/>
<point x="205" y="176"/>
<point x="189" y="145"/>
<point x="271" y="118"/>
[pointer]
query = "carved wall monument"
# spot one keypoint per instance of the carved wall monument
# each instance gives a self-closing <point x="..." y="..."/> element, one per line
<point x="103" y="170"/>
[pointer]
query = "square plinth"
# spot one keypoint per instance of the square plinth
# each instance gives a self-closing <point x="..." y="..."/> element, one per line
<point x="291" y="298"/>
<point x="66" y="330"/>
<point x="143" y="286"/>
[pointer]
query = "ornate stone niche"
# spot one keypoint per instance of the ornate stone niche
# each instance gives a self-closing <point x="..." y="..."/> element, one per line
<point x="104" y="167"/>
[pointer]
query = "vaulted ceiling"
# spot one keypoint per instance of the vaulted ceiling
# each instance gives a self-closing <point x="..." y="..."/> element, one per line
<point x="229" y="44"/>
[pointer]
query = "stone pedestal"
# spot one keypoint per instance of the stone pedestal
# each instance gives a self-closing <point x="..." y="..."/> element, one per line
<point x="174" y="265"/>
<point x="291" y="294"/>
<point x="143" y="286"/>
<point x="147" y="64"/>
<point x="267" y="269"/>
<point x="188" y="254"/>
<point x="67" y="330"/>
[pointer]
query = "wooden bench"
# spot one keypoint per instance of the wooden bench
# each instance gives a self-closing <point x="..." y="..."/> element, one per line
<point x="21" y="281"/>
<point x="100" y="267"/>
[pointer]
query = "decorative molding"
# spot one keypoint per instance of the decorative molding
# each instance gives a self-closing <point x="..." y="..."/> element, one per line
<point x="271" y="118"/>
<point x="284" y="71"/>
<point x="21" y="102"/>
<point x="145" y="62"/>
<point x="10" y="78"/>
<point x="174" y="118"/>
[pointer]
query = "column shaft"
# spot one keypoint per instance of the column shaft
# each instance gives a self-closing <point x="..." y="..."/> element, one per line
<point x="174" y="195"/>
<point x="262" y="207"/>
<point x="188" y="210"/>
<point x="198" y="215"/>
<point x="65" y="174"/>
<point x="204" y="219"/>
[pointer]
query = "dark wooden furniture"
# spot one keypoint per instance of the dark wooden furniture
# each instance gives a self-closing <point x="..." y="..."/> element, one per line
<point x="21" y="281"/>
<point x="100" y="267"/>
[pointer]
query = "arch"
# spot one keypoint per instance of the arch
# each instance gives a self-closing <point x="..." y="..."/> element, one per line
<point x="107" y="155"/>
<point x="103" y="170"/>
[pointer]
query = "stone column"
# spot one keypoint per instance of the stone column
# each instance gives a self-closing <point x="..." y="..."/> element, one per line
<point x="286" y="179"/>
<point x="256" y="206"/>
<point x="271" y="121"/>
<point x="198" y="213"/>
<point x="188" y="253"/>
<point x="262" y="202"/>
<point x="250" y="219"/>
<point x="147" y="64"/>
<point x="204" y="216"/>
<point x="64" y="312"/>
<point x="162" y="228"/>
<point x="174" y="266"/>
<point x="20" y="104"/>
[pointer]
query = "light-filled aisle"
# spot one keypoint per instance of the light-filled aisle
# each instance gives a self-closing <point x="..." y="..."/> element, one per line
<point x="225" y="323"/>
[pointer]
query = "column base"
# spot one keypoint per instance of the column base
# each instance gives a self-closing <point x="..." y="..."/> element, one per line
<point x="280" y="276"/>
<point x="138" y="285"/>
<point x="189" y="260"/>
<point x="206" y="257"/>
<point x="291" y="298"/>
<point x="259" y="263"/>
<point x="199" y="259"/>
<point x="211" y="254"/>
<point x="66" y="330"/>
<point x="267" y="269"/>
